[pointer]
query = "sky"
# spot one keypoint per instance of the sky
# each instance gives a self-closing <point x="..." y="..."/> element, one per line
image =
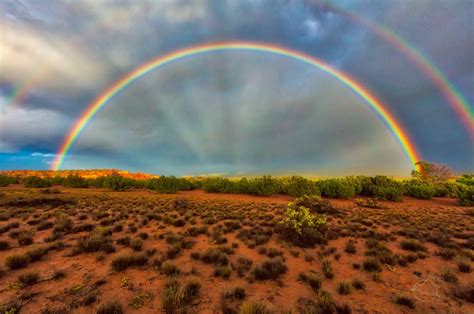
<point x="233" y="112"/>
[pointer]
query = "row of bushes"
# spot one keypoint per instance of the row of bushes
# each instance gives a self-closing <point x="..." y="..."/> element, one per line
<point x="379" y="187"/>
<point x="7" y="180"/>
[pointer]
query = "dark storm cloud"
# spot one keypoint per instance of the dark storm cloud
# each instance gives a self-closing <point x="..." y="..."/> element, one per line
<point x="81" y="47"/>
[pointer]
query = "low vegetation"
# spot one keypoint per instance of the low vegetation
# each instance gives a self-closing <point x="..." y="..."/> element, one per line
<point x="229" y="253"/>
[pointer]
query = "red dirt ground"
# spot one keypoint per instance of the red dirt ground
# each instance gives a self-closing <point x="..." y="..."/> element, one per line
<point x="421" y="280"/>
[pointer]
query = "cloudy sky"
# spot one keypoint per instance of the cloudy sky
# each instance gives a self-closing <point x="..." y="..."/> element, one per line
<point x="233" y="112"/>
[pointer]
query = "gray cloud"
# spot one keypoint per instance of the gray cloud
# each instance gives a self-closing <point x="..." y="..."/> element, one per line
<point x="232" y="111"/>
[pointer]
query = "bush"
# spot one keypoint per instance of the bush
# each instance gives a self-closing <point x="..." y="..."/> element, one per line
<point x="111" y="307"/>
<point x="265" y="185"/>
<point x="448" y="275"/>
<point x="392" y="193"/>
<point x="74" y="181"/>
<point x="298" y="186"/>
<point x="270" y="269"/>
<point x="344" y="287"/>
<point x="301" y="226"/>
<point x="7" y="180"/>
<point x="95" y="243"/>
<point x="358" y="284"/>
<point x="327" y="268"/>
<point x="165" y="185"/>
<point x="419" y="189"/>
<point x="172" y="299"/>
<point x="447" y="189"/>
<point x="223" y="271"/>
<point x="406" y="301"/>
<point x="350" y="247"/>
<point x="381" y="187"/>
<point x="313" y="280"/>
<point x="466" y="179"/>
<point x="192" y="289"/>
<point x="222" y="185"/>
<point x="28" y="279"/>
<point x="466" y="195"/>
<point x="117" y="183"/>
<point x="37" y="182"/>
<point x="130" y="260"/>
<point x="465" y="292"/>
<point x="17" y="261"/>
<point x="36" y="254"/>
<point x="170" y="269"/>
<point x="412" y="245"/>
<point x="372" y="265"/>
<point x="337" y="188"/>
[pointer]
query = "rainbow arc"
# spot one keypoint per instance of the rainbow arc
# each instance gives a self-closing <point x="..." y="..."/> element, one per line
<point x="103" y="99"/>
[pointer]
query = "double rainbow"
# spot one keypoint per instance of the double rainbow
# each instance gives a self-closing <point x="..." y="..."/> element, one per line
<point x="103" y="99"/>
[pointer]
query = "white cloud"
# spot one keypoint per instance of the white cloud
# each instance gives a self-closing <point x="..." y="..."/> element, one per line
<point x="312" y="27"/>
<point x="42" y="128"/>
<point x="26" y="53"/>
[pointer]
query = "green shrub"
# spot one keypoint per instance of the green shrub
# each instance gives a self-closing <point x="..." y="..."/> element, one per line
<point x="172" y="298"/>
<point x="111" y="307"/>
<point x="466" y="179"/>
<point x="350" y="247"/>
<point x="327" y="268"/>
<point x="130" y="260"/>
<point x="344" y="287"/>
<point x="392" y="193"/>
<point x="406" y="301"/>
<point x="192" y="289"/>
<point x="301" y="226"/>
<point x="270" y="269"/>
<point x="17" y="261"/>
<point x="170" y="269"/>
<point x="221" y="185"/>
<point x="298" y="186"/>
<point x="117" y="183"/>
<point x="223" y="271"/>
<point x="372" y="264"/>
<point x="358" y="284"/>
<point x="449" y="275"/>
<point x="446" y="189"/>
<point x="465" y="292"/>
<point x="313" y="280"/>
<point x="337" y="188"/>
<point x="28" y="279"/>
<point x="265" y="185"/>
<point x="74" y="181"/>
<point x="7" y="180"/>
<point x="412" y="245"/>
<point x="95" y="243"/>
<point x="419" y="189"/>
<point x="466" y="195"/>
<point x="165" y="185"/>
<point x="37" y="182"/>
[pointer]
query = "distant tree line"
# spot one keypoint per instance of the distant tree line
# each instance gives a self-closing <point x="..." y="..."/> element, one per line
<point x="430" y="180"/>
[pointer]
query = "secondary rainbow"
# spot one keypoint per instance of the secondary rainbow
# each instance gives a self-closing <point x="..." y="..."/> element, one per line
<point x="460" y="105"/>
<point x="103" y="99"/>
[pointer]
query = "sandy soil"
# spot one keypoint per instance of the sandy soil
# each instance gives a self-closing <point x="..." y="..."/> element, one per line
<point x="90" y="277"/>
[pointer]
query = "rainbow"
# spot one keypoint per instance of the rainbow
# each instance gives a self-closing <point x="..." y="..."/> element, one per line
<point x="459" y="104"/>
<point x="103" y="99"/>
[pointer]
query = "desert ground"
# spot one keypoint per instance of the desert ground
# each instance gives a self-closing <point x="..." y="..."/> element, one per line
<point x="85" y="250"/>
